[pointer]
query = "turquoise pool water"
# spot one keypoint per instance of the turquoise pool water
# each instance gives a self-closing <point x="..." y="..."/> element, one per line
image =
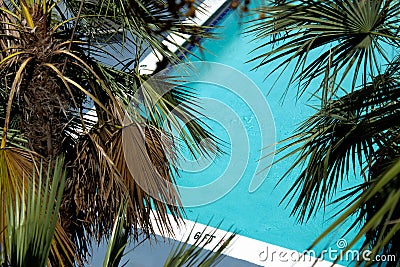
<point x="255" y="214"/>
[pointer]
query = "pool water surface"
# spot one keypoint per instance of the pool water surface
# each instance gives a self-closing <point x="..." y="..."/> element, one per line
<point x="259" y="214"/>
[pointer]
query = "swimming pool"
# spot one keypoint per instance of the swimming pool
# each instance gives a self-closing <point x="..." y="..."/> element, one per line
<point x="257" y="214"/>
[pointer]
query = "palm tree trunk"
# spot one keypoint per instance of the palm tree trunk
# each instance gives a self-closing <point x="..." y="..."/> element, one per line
<point x="44" y="108"/>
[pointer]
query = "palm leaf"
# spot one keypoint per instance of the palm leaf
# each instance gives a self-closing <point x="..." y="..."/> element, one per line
<point x="384" y="186"/>
<point x="118" y="240"/>
<point x="329" y="39"/>
<point x="347" y="131"/>
<point x="175" y="108"/>
<point x="139" y="25"/>
<point x="32" y="218"/>
<point x="355" y="134"/>
<point x="110" y="168"/>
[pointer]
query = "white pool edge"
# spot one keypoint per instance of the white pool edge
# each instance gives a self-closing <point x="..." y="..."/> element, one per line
<point x="149" y="63"/>
<point x="242" y="247"/>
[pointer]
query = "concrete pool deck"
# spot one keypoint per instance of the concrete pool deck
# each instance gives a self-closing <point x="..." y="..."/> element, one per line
<point x="241" y="252"/>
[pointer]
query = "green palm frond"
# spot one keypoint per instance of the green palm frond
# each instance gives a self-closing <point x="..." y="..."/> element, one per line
<point x="328" y="39"/>
<point x="380" y="201"/>
<point x="32" y="218"/>
<point x="175" y="108"/>
<point x="345" y="134"/>
<point x="355" y="134"/>
<point x="118" y="240"/>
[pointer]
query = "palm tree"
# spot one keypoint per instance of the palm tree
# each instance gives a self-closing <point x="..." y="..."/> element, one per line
<point x="343" y="46"/>
<point x="59" y="59"/>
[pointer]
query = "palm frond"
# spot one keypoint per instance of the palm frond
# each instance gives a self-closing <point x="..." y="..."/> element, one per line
<point x="380" y="201"/>
<point x="118" y="240"/>
<point x="32" y="218"/>
<point x="139" y="25"/>
<point x="327" y="39"/>
<point x="346" y="134"/>
<point x="352" y="135"/>
<point x="175" y="108"/>
<point x="111" y="166"/>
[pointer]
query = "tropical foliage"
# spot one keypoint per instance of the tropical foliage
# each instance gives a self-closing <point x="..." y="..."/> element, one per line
<point x="32" y="221"/>
<point x="61" y="59"/>
<point x="345" y="48"/>
<point x="32" y="218"/>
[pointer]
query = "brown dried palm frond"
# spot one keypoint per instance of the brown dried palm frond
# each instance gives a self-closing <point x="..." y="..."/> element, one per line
<point x="104" y="175"/>
<point x="50" y="74"/>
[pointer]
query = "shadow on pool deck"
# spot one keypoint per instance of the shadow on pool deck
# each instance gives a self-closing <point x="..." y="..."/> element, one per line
<point x="155" y="254"/>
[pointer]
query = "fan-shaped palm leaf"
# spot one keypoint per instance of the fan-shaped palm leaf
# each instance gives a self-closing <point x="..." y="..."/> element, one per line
<point x="354" y="134"/>
<point x="347" y="131"/>
<point x="31" y="233"/>
<point x="378" y="209"/>
<point x="328" y="38"/>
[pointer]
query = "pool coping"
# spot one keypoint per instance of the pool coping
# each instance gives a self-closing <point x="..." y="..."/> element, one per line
<point x="241" y="247"/>
<point x="210" y="16"/>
